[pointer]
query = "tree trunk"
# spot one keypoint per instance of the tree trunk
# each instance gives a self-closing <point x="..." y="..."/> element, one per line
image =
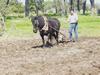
<point x="37" y="11"/>
<point x="55" y="6"/>
<point x="62" y="8"/>
<point x="65" y="2"/>
<point x="92" y="6"/>
<point x="68" y="6"/>
<point x="78" y="5"/>
<point x="2" y="23"/>
<point x="42" y="6"/>
<point x="7" y="2"/>
<point x="36" y="8"/>
<point x="92" y="3"/>
<point x="71" y="4"/>
<point x="26" y="8"/>
<point x="84" y="7"/>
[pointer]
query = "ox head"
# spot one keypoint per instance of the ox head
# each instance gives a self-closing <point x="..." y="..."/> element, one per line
<point x="35" y="24"/>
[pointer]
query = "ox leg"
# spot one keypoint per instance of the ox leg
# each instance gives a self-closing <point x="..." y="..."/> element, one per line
<point x="56" y="37"/>
<point x="43" y="41"/>
<point x="48" y="38"/>
<point x="51" y="38"/>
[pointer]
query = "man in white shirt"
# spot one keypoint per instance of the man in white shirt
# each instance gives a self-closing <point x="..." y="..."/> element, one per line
<point x="73" y="21"/>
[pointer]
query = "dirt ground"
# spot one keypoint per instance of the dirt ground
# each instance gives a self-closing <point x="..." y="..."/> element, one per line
<point x="25" y="57"/>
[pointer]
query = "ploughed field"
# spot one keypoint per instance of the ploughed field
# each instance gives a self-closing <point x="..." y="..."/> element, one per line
<point x="20" y="56"/>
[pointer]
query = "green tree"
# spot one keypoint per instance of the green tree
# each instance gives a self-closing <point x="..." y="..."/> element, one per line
<point x="16" y="7"/>
<point x="3" y="12"/>
<point x="8" y="7"/>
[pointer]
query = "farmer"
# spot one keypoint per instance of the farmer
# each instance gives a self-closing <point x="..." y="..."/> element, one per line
<point x="73" y="25"/>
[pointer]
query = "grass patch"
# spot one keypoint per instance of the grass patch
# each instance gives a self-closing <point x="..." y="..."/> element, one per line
<point x="19" y="27"/>
<point x="89" y="26"/>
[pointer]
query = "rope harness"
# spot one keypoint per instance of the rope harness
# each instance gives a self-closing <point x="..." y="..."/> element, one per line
<point x="46" y="26"/>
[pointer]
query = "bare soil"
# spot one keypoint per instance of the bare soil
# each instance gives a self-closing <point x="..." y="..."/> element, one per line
<point x="26" y="57"/>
